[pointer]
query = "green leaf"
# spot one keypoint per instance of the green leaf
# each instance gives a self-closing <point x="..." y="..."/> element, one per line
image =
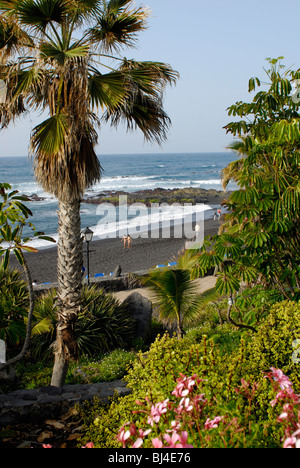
<point x="227" y="284"/>
<point x="6" y="259"/>
<point x="47" y="238"/>
<point x="107" y="90"/>
<point x="39" y="13"/>
<point x="48" y="138"/>
<point x="55" y="52"/>
<point x="252" y="82"/>
<point x="29" y="249"/>
<point x="19" y="256"/>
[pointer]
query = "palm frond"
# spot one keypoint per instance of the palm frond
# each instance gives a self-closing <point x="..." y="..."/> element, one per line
<point x="12" y="37"/>
<point x="177" y="297"/>
<point x="60" y="54"/>
<point x="144" y="113"/>
<point x="118" y="26"/>
<point x="48" y="138"/>
<point x="38" y="14"/>
<point x="107" y="90"/>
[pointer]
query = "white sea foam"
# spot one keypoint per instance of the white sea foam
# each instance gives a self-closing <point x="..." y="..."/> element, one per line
<point x="145" y="224"/>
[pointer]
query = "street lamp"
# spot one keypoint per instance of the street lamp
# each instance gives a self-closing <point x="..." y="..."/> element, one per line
<point x="88" y="235"/>
<point x="3" y="91"/>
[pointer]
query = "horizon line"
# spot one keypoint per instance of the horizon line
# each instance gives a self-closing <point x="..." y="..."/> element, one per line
<point x="135" y="154"/>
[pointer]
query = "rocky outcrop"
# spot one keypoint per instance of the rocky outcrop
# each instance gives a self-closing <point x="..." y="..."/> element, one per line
<point x="160" y="195"/>
<point x="141" y="309"/>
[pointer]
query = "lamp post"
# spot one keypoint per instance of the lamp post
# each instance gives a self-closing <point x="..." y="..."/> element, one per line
<point x="88" y="235"/>
<point x="2" y="92"/>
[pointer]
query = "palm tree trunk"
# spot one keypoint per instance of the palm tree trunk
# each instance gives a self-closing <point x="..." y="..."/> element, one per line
<point x="69" y="273"/>
<point x="178" y="324"/>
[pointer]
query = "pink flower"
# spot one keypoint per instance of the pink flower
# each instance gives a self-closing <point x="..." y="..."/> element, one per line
<point x="138" y="443"/>
<point x="290" y="442"/>
<point x="143" y="434"/>
<point x="124" y="435"/>
<point x="185" y="385"/>
<point x="175" y="425"/>
<point x="157" y="443"/>
<point x="183" y="441"/>
<point x="157" y="411"/>
<point x="89" y="445"/>
<point x="186" y="402"/>
<point x="288" y="393"/>
<point x="212" y="424"/>
<point x="282" y="379"/>
<point x="177" y="440"/>
<point x="47" y="446"/>
<point x="172" y="440"/>
<point x="283" y="416"/>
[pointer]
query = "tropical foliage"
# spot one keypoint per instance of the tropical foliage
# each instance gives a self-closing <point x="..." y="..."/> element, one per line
<point x="71" y="65"/>
<point x="259" y="241"/>
<point x="14" y="216"/>
<point x="103" y="324"/>
<point x="13" y="306"/>
<point x="178" y="301"/>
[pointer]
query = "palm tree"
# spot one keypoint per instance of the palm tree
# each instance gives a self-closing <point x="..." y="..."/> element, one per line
<point x="178" y="301"/>
<point x="66" y="69"/>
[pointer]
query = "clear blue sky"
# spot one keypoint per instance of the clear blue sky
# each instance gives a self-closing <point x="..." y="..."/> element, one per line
<point x="216" y="46"/>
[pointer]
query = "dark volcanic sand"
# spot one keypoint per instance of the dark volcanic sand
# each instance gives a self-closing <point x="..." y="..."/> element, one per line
<point x="106" y="254"/>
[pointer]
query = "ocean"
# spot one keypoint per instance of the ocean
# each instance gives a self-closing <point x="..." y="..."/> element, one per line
<point x="128" y="173"/>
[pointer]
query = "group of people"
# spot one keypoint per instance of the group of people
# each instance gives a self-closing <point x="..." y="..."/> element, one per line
<point x="127" y="241"/>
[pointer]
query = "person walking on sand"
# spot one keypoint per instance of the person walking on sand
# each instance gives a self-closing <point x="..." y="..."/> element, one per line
<point x="124" y="240"/>
<point x="129" y="242"/>
<point x="219" y="213"/>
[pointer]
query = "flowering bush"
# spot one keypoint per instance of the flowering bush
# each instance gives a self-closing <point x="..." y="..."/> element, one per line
<point x="182" y="422"/>
<point x="290" y="417"/>
<point x="233" y="384"/>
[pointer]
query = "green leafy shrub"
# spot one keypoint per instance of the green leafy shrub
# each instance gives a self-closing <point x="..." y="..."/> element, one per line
<point x="112" y="367"/>
<point x="103" y="324"/>
<point x="103" y="368"/>
<point x="154" y="375"/>
<point x="273" y="344"/>
<point x="13" y="306"/>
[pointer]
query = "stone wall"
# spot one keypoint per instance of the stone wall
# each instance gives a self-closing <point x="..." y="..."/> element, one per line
<point x="37" y="405"/>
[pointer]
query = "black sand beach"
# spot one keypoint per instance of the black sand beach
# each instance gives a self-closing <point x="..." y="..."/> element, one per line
<point x="106" y="254"/>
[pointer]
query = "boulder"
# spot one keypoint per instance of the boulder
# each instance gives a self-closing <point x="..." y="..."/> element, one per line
<point x="141" y="309"/>
<point x="117" y="272"/>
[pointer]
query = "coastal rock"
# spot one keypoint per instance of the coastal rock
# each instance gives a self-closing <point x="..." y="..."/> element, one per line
<point x="35" y="197"/>
<point x="141" y="309"/>
<point x="160" y="195"/>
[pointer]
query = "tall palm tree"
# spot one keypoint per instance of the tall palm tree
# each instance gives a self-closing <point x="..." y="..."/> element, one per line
<point x="72" y="68"/>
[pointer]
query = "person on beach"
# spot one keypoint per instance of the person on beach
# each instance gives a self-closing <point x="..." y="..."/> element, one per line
<point x="197" y="230"/>
<point x="219" y="213"/>
<point x="129" y="242"/>
<point x="124" y="240"/>
<point x="215" y="215"/>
